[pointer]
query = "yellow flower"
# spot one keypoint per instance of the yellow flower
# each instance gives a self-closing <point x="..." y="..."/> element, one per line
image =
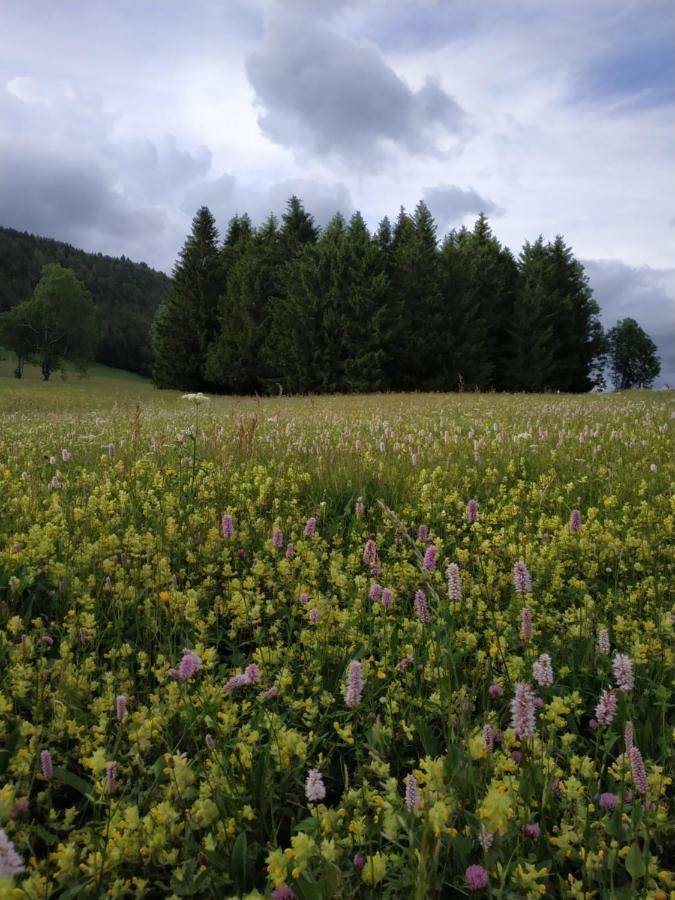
<point x="375" y="869"/>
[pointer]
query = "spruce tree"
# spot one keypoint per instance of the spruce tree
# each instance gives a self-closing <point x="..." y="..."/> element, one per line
<point x="368" y="332"/>
<point x="234" y="359"/>
<point x="578" y="334"/>
<point x="463" y="333"/>
<point x="532" y="360"/>
<point x="415" y="302"/>
<point x="186" y="321"/>
<point x="287" y="351"/>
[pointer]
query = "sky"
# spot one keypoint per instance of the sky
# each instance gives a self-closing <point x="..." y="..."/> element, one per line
<point x="119" y="119"/>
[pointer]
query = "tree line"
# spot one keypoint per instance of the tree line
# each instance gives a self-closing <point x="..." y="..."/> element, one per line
<point x="288" y="306"/>
<point x="125" y="294"/>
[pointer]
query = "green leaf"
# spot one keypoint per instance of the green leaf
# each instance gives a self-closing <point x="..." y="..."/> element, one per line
<point x="635" y="864"/>
<point x="330" y="882"/>
<point x="46" y="836"/>
<point x="308" y="825"/>
<point x="220" y="800"/>
<point x="238" y="862"/>
<point x="307" y="890"/>
<point x="74" y="781"/>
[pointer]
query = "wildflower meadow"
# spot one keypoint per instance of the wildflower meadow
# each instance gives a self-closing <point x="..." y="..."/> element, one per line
<point x="386" y="646"/>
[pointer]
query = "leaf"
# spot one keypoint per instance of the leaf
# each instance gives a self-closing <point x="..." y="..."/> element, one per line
<point x="307" y="890"/>
<point x="74" y="781"/>
<point x="330" y="881"/>
<point x="238" y="862"/>
<point x="635" y="864"/>
<point x="158" y="768"/>
<point x="308" y="825"/>
<point x="49" y="838"/>
<point x="220" y="800"/>
<point x="462" y="846"/>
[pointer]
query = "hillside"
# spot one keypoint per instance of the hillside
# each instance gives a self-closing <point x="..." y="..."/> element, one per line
<point x="126" y="293"/>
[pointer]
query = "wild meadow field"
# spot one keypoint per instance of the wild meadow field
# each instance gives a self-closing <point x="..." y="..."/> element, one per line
<point x="384" y="646"/>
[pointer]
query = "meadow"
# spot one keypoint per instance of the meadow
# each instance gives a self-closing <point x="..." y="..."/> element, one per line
<point x="382" y="646"/>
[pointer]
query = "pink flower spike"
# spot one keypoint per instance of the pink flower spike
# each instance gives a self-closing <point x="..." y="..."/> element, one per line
<point x="412" y="797"/>
<point x="606" y="708"/>
<point x="46" y="764"/>
<point x="111" y="776"/>
<point x="354" y="684"/>
<point x="314" y="786"/>
<point x="11" y="863"/>
<point x="623" y="672"/>
<point x="542" y="671"/>
<point x="522" y="711"/>
<point x="454" y="582"/>
<point x="429" y="562"/>
<point x="521" y="578"/>
<point x="120" y="707"/>
<point x="603" y="642"/>
<point x="637" y="768"/>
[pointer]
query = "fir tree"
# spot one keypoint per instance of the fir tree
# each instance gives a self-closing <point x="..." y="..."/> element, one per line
<point x="531" y="359"/>
<point x="186" y="321"/>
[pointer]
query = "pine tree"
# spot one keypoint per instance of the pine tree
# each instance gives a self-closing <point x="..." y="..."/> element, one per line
<point x="186" y="321"/>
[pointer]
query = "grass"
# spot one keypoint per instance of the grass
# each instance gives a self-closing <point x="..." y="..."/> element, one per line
<point x="114" y="562"/>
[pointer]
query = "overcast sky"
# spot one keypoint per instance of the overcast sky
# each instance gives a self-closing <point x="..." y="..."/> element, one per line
<point x="119" y="119"/>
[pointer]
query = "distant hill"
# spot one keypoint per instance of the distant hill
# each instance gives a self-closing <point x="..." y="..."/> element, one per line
<point x="126" y="293"/>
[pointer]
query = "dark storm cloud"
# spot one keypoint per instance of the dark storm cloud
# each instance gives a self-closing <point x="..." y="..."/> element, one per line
<point x="644" y="294"/>
<point x="82" y="185"/>
<point x="53" y="195"/>
<point x="449" y="204"/>
<point x="320" y="91"/>
<point x="226" y="197"/>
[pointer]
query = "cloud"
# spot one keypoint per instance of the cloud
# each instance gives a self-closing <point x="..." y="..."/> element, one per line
<point x="641" y="293"/>
<point x="227" y="196"/>
<point x="322" y="92"/>
<point x="449" y="204"/>
<point x="83" y="185"/>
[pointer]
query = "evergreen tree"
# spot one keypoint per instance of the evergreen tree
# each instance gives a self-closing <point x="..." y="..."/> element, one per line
<point x="633" y="361"/>
<point x="531" y="359"/>
<point x="233" y="360"/>
<point x="186" y="321"/>
<point x="415" y="302"/>
<point x="578" y="335"/>
<point x="287" y="351"/>
<point x="368" y="330"/>
<point x="478" y="282"/>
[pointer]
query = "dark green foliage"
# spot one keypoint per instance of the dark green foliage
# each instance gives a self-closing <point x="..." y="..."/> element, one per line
<point x="329" y="325"/>
<point x="555" y="334"/>
<point x="56" y="326"/>
<point x="126" y="294"/>
<point x="632" y="356"/>
<point x="347" y="311"/>
<point x="186" y="321"/>
<point x="234" y="361"/>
